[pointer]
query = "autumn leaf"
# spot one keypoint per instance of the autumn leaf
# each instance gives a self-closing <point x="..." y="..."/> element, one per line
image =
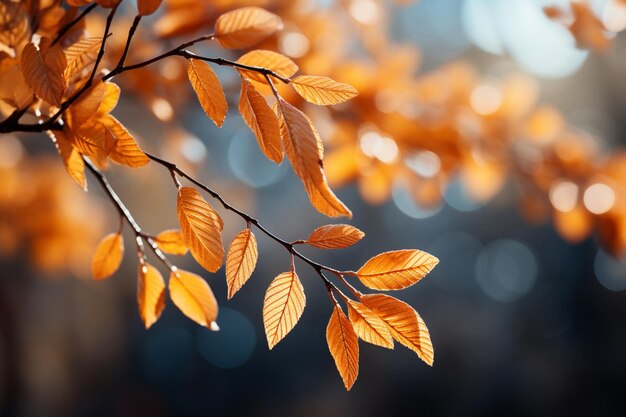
<point x="111" y="97"/>
<point x="396" y="270"/>
<point x="208" y="90"/>
<point x="202" y="229"/>
<point x="245" y="27"/>
<point x="322" y="90"/>
<point x="368" y="326"/>
<point x="283" y="306"/>
<point x="241" y="260"/>
<point x="72" y="159"/>
<point x="262" y="120"/>
<point x="344" y="346"/>
<point x="405" y="325"/>
<point x="13" y="88"/>
<point x="305" y="152"/>
<point x="108" y="256"/>
<point x="81" y="56"/>
<point x="150" y="294"/>
<point x="334" y="236"/>
<point x="87" y="105"/>
<point x="147" y="7"/>
<point x="193" y="296"/>
<point x="270" y="60"/>
<point x="43" y="67"/>
<point x="171" y="241"/>
<point x="92" y="138"/>
<point x="126" y="150"/>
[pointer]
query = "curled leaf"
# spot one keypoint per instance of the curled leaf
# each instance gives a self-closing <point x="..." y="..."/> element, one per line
<point x="270" y="60"/>
<point x="322" y="90"/>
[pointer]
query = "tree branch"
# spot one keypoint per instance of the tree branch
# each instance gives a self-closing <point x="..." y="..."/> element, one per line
<point x="73" y="22"/>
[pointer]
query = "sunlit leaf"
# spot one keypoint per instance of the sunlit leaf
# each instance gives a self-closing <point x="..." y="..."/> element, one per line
<point x="344" y="346"/>
<point x="150" y="294"/>
<point x="368" y="326"/>
<point x="43" y="68"/>
<point x="322" y="90"/>
<point x="193" y="296"/>
<point x="241" y="260"/>
<point x="72" y="159"/>
<point x="334" y="236"/>
<point x="208" y="90"/>
<point x="13" y="88"/>
<point x="283" y="306"/>
<point x="80" y="57"/>
<point x="111" y="97"/>
<point x="108" y="256"/>
<point x="171" y="241"/>
<point x="87" y="105"/>
<point x="270" y="60"/>
<point x="396" y="270"/>
<point x="245" y="27"/>
<point x="126" y="150"/>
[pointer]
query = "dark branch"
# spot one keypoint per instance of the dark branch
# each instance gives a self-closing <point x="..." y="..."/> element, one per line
<point x="67" y="27"/>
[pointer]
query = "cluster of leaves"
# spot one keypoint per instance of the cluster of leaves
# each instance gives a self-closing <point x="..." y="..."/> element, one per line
<point x="56" y="77"/>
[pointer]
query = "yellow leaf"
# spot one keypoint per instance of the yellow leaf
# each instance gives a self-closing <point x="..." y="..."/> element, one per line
<point x="344" y="346"/>
<point x="202" y="229"/>
<point x="126" y="150"/>
<point x="72" y="159"/>
<point x="283" y="306"/>
<point x="322" y="90"/>
<point x="208" y="89"/>
<point x="193" y="296"/>
<point x="87" y="105"/>
<point x="244" y="27"/>
<point x="81" y="56"/>
<point x="270" y="60"/>
<point x="262" y="120"/>
<point x="147" y="7"/>
<point x="108" y="256"/>
<point x="240" y="261"/>
<point x="171" y="241"/>
<point x="405" y="325"/>
<point x="43" y="68"/>
<point x="334" y="236"/>
<point x="150" y="294"/>
<point x="111" y="97"/>
<point x="305" y="152"/>
<point x="368" y="326"/>
<point x="396" y="270"/>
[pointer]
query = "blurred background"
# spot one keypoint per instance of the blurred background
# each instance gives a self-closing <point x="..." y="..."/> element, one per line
<point x="524" y="322"/>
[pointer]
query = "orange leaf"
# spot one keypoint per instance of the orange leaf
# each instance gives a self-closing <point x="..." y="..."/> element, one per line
<point x="344" y="346"/>
<point x="244" y="27"/>
<point x="92" y="138"/>
<point x="108" y="256"/>
<point x="193" y="296"/>
<point x="111" y="97"/>
<point x="171" y="241"/>
<point x="396" y="270"/>
<point x="262" y="120"/>
<point x="283" y="306"/>
<point x="405" y="325"/>
<point x="13" y="88"/>
<point x="334" y="236"/>
<point x="43" y="68"/>
<point x="72" y="159"/>
<point x="126" y="150"/>
<point x="208" y="90"/>
<point x="270" y="60"/>
<point x="240" y="261"/>
<point x="202" y="229"/>
<point x="147" y="7"/>
<point x="305" y="152"/>
<point x="368" y="326"/>
<point x="150" y="294"/>
<point x="322" y="90"/>
<point x="81" y="56"/>
<point x="87" y="105"/>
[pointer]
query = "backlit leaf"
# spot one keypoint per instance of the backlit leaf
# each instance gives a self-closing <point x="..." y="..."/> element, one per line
<point x="334" y="236"/>
<point x="111" y="97"/>
<point x="171" y="241"/>
<point x="13" y="88"/>
<point x="396" y="270"/>
<point x="43" y="68"/>
<point x="283" y="306"/>
<point x="240" y="261"/>
<point x="270" y="60"/>
<point x="344" y="346"/>
<point x="202" y="229"/>
<point x="262" y="120"/>
<point x="126" y="150"/>
<point x="150" y="294"/>
<point x="147" y="7"/>
<point x="208" y="90"/>
<point x="322" y="90"/>
<point x="80" y="57"/>
<point x="193" y="296"/>
<point x="108" y="256"/>
<point x="245" y="27"/>
<point x="72" y="159"/>
<point x="405" y="325"/>
<point x="92" y="138"/>
<point x="87" y="105"/>
<point x="368" y="326"/>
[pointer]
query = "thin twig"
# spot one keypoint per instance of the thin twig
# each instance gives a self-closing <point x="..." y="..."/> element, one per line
<point x="73" y="22"/>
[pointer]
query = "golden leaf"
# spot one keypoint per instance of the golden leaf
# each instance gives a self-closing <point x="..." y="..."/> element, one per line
<point x="368" y="326"/>
<point x="202" y="229"/>
<point x="344" y="346"/>
<point x="270" y="60"/>
<point x="43" y="68"/>
<point x="147" y="7"/>
<point x="208" y="90"/>
<point x="150" y="294"/>
<point x="240" y="261"/>
<point x="111" y="97"/>
<point x="92" y="138"/>
<point x="283" y="306"/>
<point x="405" y="325"/>
<point x="171" y="241"/>
<point x="305" y="152"/>
<point x="193" y="296"/>
<point x="126" y="150"/>
<point x="72" y="159"/>
<point x="322" y="90"/>
<point x="87" y="105"/>
<point x="396" y="270"/>
<point x="80" y="57"/>
<point x="334" y="236"/>
<point x="108" y="256"/>
<point x="244" y="27"/>
<point x="262" y="120"/>
<point x="13" y="88"/>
